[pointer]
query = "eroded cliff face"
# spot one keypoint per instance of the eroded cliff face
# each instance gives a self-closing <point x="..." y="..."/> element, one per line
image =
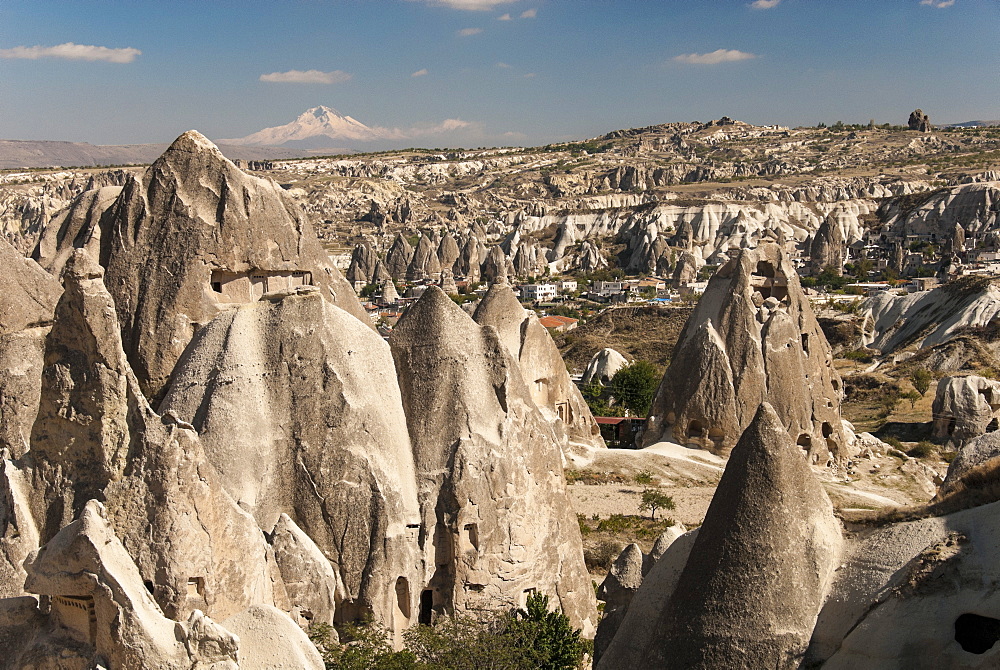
<point x="752" y="338"/>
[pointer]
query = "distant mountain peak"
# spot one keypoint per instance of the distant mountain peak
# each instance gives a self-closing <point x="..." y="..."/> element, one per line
<point x="316" y="127"/>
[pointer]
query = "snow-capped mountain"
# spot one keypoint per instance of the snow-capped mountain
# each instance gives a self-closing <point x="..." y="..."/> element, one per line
<point x="318" y="127"/>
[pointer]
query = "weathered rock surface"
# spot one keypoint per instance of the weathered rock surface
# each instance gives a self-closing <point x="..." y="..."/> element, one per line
<point x="194" y="235"/>
<point x="827" y="248"/>
<point x="27" y="305"/>
<point x="603" y="366"/>
<point x="731" y="607"/>
<point x="270" y="641"/>
<point x="298" y="408"/>
<point x="496" y="513"/>
<point x="541" y="367"/>
<point x="752" y="338"/>
<point x="76" y="227"/>
<point x="919" y="121"/>
<point x="398" y="258"/>
<point x="965" y="407"/>
<point x="972" y="455"/>
<point x="101" y="613"/>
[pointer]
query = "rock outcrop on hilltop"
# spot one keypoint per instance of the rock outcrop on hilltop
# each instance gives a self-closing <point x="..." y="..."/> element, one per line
<point x="495" y="511"/>
<point x="289" y="476"/>
<point x="752" y="338"/>
<point x="919" y="121"/>
<point x="542" y="367"/>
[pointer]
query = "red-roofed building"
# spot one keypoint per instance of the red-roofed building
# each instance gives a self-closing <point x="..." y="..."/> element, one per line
<point x="560" y="324"/>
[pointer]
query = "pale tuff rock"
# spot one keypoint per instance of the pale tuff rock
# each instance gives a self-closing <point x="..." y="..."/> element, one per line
<point x="686" y="269"/>
<point x="27" y="304"/>
<point x="310" y="582"/>
<point x="590" y="257"/>
<point x="18" y="530"/>
<point x="425" y="260"/>
<point x="929" y="318"/>
<point x="972" y="455"/>
<point x="497" y="267"/>
<point x="448" y="284"/>
<point x="541" y="366"/>
<point x="827" y="248"/>
<point x="298" y="407"/>
<point x="497" y="521"/>
<point x="76" y="227"/>
<point x="102" y="614"/>
<point x="270" y="641"/>
<point x="389" y="294"/>
<point x="448" y="252"/>
<point x="752" y="338"/>
<point x="603" y="366"/>
<point x="731" y="607"/>
<point x="469" y="264"/>
<point x="965" y="407"/>
<point x="398" y="258"/>
<point x="200" y="234"/>
<point x="363" y="261"/>
<point x="97" y="437"/>
<point x="915" y="595"/>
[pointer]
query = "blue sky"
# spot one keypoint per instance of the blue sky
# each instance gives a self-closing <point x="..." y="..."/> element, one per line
<point x="515" y="71"/>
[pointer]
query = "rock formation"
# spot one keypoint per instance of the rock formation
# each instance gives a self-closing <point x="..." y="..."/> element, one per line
<point x="731" y="606"/>
<point x="236" y="237"/>
<point x="398" y="258"/>
<point x="77" y="226"/>
<point x="497" y="523"/>
<point x="363" y="261"/>
<point x="425" y="260"/>
<point x="448" y="284"/>
<point x="827" y="249"/>
<point x="310" y="424"/>
<point x="919" y="121"/>
<point x="965" y="407"/>
<point x="686" y="270"/>
<point x="752" y="338"/>
<point x="27" y="304"/>
<point x="390" y="296"/>
<point x="602" y="367"/>
<point x="542" y="368"/>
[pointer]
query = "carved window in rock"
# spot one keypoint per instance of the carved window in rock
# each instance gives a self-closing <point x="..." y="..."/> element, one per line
<point x="77" y="614"/>
<point x="696" y="430"/>
<point x="562" y="409"/>
<point x="244" y="287"/>
<point x="527" y="593"/>
<point x="401" y="612"/>
<point x="769" y="281"/>
<point x="469" y="537"/>
<point x="196" y="587"/>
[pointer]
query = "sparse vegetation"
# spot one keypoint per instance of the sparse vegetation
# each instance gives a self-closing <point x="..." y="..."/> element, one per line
<point x="654" y="499"/>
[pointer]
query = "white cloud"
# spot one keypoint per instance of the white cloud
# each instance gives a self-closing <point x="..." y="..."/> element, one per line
<point x="307" y="77"/>
<point x="504" y="17"/>
<point x="71" y="51"/>
<point x="446" y="126"/>
<point x="529" y="13"/>
<point x="940" y="4"/>
<point x="764" y="4"/>
<point x="468" y="32"/>
<point x="503" y="66"/>
<point x="470" y="5"/>
<point x="419" y="73"/>
<point x="714" y="57"/>
<point x="530" y="75"/>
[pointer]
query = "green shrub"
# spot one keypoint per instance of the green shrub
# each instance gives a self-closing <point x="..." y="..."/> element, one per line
<point x="923" y="449"/>
<point x="643" y="477"/>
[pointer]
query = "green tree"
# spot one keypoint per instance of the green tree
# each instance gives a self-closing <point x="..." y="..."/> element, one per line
<point x="921" y="380"/>
<point x="634" y="386"/>
<point x="654" y="499"/>
<point x="912" y="396"/>
<point x="547" y="638"/>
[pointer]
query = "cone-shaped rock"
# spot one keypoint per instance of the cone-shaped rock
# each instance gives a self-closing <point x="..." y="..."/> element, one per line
<point x="298" y="407"/>
<point x="753" y="586"/>
<point x="448" y="252"/>
<point x="363" y="260"/>
<point x="398" y="258"/>
<point x="196" y="234"/>
<point x="492" y="495"/>
<point x="27" y="303"/>
<point x="754" y="336"/>
<point x="425" y="260"/>
<point x="542" y="367"/>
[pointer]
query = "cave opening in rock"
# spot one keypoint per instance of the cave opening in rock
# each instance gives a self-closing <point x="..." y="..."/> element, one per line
<point x="976" y="634"/>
